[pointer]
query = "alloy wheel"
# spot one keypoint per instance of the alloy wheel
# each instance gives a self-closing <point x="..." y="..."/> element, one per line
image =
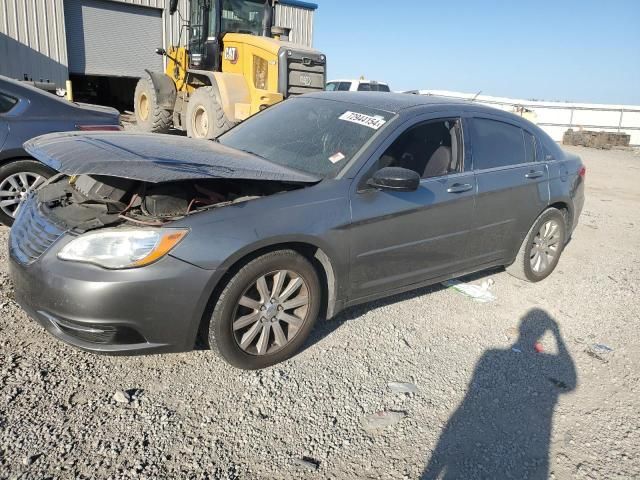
<point x="546" y="245"/>
<point x="15" y="188"/>
<point x="271" y="312"/>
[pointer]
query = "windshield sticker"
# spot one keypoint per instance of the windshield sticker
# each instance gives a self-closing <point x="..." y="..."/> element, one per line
<point x="337" y="157"/>
<point x="362" y="119"/>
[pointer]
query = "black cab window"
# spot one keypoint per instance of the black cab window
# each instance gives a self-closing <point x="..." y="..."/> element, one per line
<point x="496" y="144"/>
<point x="6" y="103"/>
<point x="380" y="88"/>
<point x="364" y="87"/>
<point x="332" y="86"/>
<point x="431" y="149"/>
<point x="344" y="86"/>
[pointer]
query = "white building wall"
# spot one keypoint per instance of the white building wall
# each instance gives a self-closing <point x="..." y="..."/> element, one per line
<point x="299" y="20"/>
<point x="557" y="117"/>
<point x="32" y="40"/>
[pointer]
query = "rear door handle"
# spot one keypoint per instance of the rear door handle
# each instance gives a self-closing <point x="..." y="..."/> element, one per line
<point x="459" y="188"/>
<point x="534" y="174"/>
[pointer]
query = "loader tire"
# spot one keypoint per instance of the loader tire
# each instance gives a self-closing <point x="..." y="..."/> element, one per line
<point x="205" y="116"/>
<point x="149" y="116"/>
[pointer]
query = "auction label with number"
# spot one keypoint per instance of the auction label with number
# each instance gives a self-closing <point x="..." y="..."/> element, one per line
<point x="362" y="119"/>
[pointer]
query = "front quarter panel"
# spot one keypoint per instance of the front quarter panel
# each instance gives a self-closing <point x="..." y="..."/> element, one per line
<point x="315" y="215"/>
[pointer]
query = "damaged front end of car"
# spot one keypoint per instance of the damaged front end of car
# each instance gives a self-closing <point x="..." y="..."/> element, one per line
<point x="122" y="202"/>
<point x="125" y="181"/>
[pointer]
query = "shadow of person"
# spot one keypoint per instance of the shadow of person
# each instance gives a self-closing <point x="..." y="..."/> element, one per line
<point x="502" y="428"/>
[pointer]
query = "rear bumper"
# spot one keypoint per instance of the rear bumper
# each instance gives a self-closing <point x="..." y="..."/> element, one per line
<point x="154" y="309"/>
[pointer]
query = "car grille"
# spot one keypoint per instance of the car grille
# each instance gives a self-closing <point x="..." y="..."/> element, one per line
<point x="32" y="233"/>
<point x="305" y="73"/>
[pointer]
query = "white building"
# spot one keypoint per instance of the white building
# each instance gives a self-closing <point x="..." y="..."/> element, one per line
<point x="55" y="39"/>
<point x="557" y="117"/>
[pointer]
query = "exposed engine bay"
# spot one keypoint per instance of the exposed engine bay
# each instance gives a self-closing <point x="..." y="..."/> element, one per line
<point x="87" y="202"/>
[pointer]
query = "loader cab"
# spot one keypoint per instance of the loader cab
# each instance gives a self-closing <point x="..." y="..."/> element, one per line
<point x="212" y="19"/>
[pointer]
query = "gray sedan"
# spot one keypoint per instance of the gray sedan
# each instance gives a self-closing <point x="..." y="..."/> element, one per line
<point x="26" y="112"/>
<point x="319" y="203"/>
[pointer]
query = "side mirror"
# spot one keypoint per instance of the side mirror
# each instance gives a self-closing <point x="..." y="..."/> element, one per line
<point x="395" y="178"/>
<point x="161" y="51"/>
<point x="173" y="7"/>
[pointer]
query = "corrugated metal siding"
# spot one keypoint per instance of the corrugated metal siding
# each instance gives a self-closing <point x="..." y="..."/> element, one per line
<point x="101" y="36"/>
<point x="171" y="23"/>
<point x="32" y="40"/>
<point x="299" y="20"/>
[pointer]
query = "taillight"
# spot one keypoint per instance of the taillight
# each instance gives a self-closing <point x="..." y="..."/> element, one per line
<point x="99" y="128"/>
<point x="583" y="171"/>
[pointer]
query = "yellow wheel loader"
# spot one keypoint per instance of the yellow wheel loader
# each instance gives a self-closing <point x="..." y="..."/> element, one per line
<point x="236" y="64"/>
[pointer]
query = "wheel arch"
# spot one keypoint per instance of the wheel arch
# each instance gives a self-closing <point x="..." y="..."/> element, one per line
<point x="319" y="259"/>
<point x="165" y="89"/>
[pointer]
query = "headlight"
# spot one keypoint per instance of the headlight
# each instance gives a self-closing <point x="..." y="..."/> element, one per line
<point x="260" y="72"/>
<point x="116" y="249"/>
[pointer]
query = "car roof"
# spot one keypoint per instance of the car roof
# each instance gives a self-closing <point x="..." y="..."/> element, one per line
<point x="398" y="102"/>
<point x="391" y="102"/>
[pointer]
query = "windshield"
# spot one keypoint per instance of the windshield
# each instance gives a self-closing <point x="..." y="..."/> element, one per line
<point x="313" y="135"/>
<point x="242" y="16"/>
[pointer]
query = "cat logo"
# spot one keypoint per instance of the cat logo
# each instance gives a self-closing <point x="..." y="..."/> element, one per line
<point x="231" y="54"/>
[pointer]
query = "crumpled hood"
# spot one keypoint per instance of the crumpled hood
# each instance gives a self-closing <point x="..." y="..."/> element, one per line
<point x="154" y="158"/>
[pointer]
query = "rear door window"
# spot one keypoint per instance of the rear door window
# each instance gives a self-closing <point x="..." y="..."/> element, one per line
<point x="344" y="86"/>
<point x="496" y="144"/>
<point x="364" y="87"/>
<point x="7" y="102"/>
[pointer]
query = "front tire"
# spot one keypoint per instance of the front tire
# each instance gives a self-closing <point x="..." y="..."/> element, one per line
<point x="266" y="311"/>
<point x="205" y="115"/>
<point x="17" y="180"/>
<point x="541" y="249"/>
<point x="150" y="117"/>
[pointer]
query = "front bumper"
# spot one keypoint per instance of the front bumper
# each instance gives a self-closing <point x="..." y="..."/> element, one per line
<point x="154" y="309"/>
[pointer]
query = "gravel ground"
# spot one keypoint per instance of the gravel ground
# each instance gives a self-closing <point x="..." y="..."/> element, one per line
<point x="486" y="406"/>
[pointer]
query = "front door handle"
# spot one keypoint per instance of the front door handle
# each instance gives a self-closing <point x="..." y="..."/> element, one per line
<point x="459" y="188"/>
<point x="534" y="174"/>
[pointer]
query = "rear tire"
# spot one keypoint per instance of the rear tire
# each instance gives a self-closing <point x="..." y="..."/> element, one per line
<point x="205" y="115"/>
<point x="541" y="249"/>
<point x="149" y="116"/>
<point x="255" y="325"/>
<point x="17" y="179"/>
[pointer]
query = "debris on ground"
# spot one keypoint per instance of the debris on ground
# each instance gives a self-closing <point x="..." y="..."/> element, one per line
<point x="558" y="383"/>
<point x="121" y="397"/>
<point x="398" y="387"/>
<point x="307" y="462"/>
<point x="599" y="351"/>
<point x="381" y="420"/>
<point x="480" y="293"/>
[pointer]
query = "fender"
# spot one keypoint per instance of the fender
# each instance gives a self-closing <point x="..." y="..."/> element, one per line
<point x="165" y="89"/>
<point x="232" y="92"/>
